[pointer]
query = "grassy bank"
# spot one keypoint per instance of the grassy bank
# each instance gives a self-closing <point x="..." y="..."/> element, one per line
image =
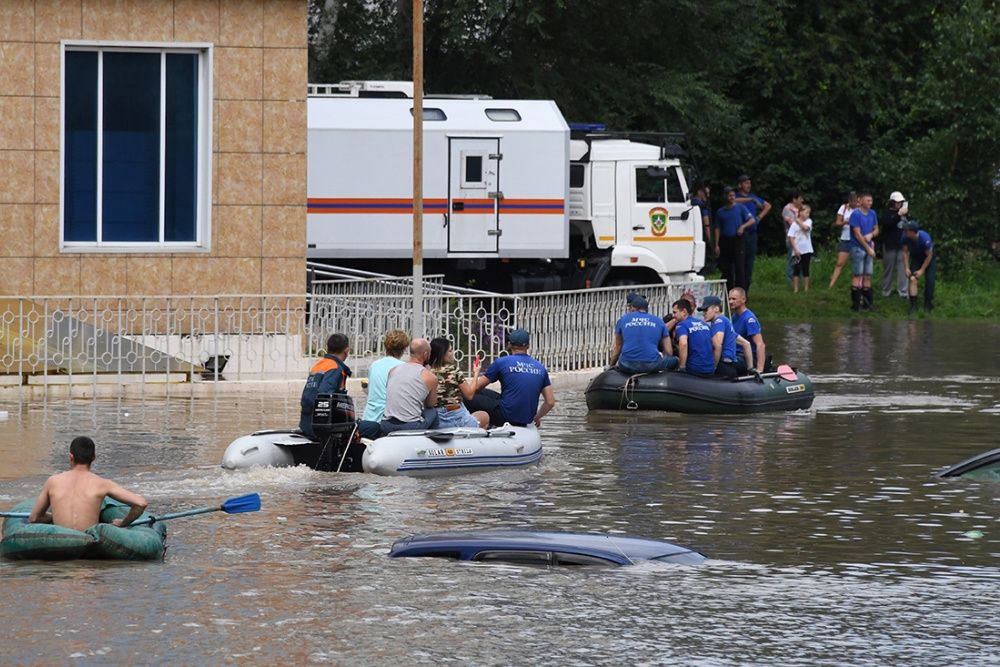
<point x="971" y="290"/>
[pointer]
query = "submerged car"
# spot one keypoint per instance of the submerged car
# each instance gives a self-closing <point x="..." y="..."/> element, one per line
<point x="984" y="466"/>
<point x="542" y="548"/>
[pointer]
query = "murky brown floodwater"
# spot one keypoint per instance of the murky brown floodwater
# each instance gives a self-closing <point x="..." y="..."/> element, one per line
<point x="830" y="540"/>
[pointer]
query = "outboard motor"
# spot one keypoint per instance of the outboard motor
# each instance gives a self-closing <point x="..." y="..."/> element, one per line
<point x="339" y="446"/>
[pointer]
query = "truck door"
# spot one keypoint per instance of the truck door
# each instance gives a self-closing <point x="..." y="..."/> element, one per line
<point x="473" y="195"/>
<point x="660" y="217"/>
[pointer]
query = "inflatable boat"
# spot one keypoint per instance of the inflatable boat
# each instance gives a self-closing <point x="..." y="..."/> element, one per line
<point x="785" y="389"/>
<point x="413" y="453"/>
<point x="45" y="541"/>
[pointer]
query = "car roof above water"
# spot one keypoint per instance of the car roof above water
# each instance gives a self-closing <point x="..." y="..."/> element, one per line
<point x="468" y="545"/>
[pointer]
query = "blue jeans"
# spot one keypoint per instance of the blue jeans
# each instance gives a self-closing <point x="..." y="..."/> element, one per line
<point x="427" y="420"/>
<point x="455" y="418"/>
<point x="664" y="363"/>
<point x="862" y="264"/>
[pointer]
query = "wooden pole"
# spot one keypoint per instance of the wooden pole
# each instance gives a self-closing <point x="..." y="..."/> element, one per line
<point x="418" y="168"/>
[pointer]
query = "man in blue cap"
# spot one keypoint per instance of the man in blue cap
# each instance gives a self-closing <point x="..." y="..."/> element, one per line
<point x="724" y="339"/>
<point x="522" y="380"/>
<point x="639" y="338"/>
<point x="920" y="262"/>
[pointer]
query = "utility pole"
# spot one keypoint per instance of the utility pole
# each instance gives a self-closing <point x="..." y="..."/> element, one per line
<point x="418" y="168"/>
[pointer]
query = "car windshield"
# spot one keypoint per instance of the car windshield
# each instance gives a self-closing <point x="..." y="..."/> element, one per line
<point x="987" y="473"/>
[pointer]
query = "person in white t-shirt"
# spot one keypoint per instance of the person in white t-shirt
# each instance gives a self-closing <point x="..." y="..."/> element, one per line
<point x="844" y="243"/>
<point x="788" y="215"/>
<point x="800" y="243"/>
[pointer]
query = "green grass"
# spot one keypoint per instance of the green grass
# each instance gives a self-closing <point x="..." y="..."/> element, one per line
<point x="970" y="290"/>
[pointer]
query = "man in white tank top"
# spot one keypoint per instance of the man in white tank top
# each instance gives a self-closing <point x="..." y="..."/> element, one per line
<point x="411" y="393"/>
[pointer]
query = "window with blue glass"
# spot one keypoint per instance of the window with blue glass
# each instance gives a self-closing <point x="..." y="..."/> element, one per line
<point x="133" y="162"/>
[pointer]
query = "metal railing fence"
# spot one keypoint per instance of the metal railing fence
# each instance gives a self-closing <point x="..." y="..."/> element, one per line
<point x="277" y="336"/>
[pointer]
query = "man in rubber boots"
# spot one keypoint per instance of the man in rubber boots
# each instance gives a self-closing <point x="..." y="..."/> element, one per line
<point x="920" y="262"/>
<point x="639" y="338"/>
<point x="75" y="496"/>
<point x="864" y="229"/>
<point x="522" y="380"/>
<point x="327" y="376"/>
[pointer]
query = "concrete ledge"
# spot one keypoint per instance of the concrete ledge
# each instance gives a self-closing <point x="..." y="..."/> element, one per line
<point x="106" y="378"/>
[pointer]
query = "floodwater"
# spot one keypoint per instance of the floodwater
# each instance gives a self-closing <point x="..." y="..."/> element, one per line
<point x="830" y="541"/>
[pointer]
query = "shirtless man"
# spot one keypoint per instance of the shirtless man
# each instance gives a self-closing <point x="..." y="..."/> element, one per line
<point x="75" y="496"/>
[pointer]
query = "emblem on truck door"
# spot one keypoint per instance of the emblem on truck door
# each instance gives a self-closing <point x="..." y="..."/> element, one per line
<point x="658" y="221"/>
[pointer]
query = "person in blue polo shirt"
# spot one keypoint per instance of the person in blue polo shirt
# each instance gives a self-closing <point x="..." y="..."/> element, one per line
<point x="864" y="229"/>
<point x="639" y="338"/>
<point x="759" y="208"/>
<point x="920" y="262"/>
<point x="731" y="222"/>
<point x="747" y="325"/>
<point x="724" y="338"/>
<point x="522" y="380"/>
<point x="694" y="340"/>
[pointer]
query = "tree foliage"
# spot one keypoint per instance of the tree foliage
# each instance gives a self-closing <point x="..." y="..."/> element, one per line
<point x="821" y="97"/>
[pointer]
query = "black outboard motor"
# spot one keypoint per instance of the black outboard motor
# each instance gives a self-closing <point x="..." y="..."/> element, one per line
<point x="339" y="446"/>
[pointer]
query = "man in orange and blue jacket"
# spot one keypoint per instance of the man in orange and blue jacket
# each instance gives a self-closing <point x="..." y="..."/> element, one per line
<point x="327" y="376"/>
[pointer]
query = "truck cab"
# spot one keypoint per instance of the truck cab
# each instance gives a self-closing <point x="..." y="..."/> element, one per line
<point x="630" y="210"/>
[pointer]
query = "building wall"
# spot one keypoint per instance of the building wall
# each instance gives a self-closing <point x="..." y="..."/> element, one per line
<point x="258" y="226"/>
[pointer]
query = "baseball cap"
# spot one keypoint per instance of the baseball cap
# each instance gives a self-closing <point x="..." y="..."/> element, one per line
<point x="637" y="301"/>
<point x="912" y="226"/>
<point x="897" y="196"/>
<point x="743" y="177"/>
<point x="710" y="301"/>
<point x="519" y="337"/>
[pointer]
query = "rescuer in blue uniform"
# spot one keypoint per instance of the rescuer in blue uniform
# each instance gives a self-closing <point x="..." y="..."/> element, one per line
<point x="694" y="341"/>
<point x="639" y="338"/>
<point x="522" y="380"/>
<point x="724" y="338"/>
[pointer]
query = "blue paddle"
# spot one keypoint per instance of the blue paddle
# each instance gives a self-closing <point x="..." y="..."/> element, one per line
<point x="238" y="505"/>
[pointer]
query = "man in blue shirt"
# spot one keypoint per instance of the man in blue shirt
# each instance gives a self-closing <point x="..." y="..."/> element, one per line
<point x="759" y="208"/>
<point x="731" y="222"/>
<point x="724" y="338"/>
<point x="694" y="341"/>
<point x="747" y="325"/>
<point x="522" y="380"/>
<point x="864" y="229"/>
<point x="919" y="260"/>
<point x="639" y="337"/>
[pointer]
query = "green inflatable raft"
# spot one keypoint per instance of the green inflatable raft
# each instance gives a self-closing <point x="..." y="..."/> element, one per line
<point x="44" y="541"/>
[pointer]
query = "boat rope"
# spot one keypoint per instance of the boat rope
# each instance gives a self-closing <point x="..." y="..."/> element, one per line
<point x="628" y="392"/>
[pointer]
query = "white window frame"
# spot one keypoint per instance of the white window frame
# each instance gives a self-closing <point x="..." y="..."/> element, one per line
<point x="203" y="206"/>
<point x="481" y="183"/>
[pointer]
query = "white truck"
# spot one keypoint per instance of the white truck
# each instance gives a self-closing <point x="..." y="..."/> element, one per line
<point x="511" y="201"/>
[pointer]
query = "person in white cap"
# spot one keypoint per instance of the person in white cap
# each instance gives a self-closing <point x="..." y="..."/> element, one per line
<point x="892" y="222"/>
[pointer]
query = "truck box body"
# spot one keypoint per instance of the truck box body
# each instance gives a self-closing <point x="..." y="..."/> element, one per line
<point x="495" y="178"/>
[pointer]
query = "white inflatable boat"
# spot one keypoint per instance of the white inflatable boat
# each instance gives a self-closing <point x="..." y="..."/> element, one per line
<point x="413" y="453"/>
